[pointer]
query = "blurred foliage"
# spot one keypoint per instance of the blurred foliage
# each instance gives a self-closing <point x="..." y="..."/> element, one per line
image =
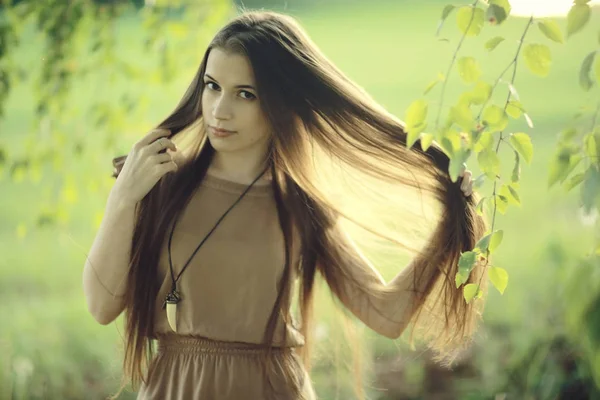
<point x="82" y="39"/>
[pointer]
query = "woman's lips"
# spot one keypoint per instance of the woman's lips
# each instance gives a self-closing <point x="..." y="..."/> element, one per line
<point x="221" y="132"/>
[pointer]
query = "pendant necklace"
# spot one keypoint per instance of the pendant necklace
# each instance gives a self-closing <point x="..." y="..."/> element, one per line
<point x="174" y="297"/>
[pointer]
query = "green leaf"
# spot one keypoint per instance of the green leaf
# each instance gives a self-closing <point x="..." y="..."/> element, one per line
<point x="514" y="108"/>
<point x="495" y="117"/>
<point x="468" y="69"/>
<point x="445" y="12"/>
<point x="465" y="99"/>
<point x="489" y="163"/>
<point x="590" y="147"/>
<point x="577" y="18"/>
<point x="561" y="166"/>
<point x="462" y="115"/>
<point x="484" y="142"/>
<point x="574" y="181"/>
<point x="471" y="291"/>
<point x="492" y="114"/>
<point x="567" y="134"/>
<point x="505" y="4"/>
<point x="501" y="203"/>
<point x="490" y="242"/>
<point x="414" y="132"/>
<point x="465" y="266"/>
<point x="516" y="172"/>
<point x="415" y="120"/>
<point x="585" y="81"/>
<point x="481" y="92"/>
<point x="479" y="206"/>
<point x="493" y="43"/>
<point x="447" y="146"/>
<point x="495" y="14"/>
<point x="597" y="70"/>
<point x="456" y="162"/>
<point x="455" y="137"/>
<point x="474" y="16"/>
<point x="431" y="85"/>
<point x="479" y="181"/>
<point x="3" y="156"/>
<point x="522" y="143"/>
<point x="508" y="191"/>
<point x="459" y="279"/>
<point x="499" y="10"/>
<point x="483" y="244"/>
<point x="515" y="194"/>
<point x="426" y="140"/>
<point x="416" y="113"/>
<point x="467" y="260"/>
<point x="551" y="29"/>
<point x="538" y="58"/>
<point x="499" y="278"/>
<point x="590" y="189"/>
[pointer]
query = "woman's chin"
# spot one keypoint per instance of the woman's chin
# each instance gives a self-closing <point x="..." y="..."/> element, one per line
<point x="219" y="143"/>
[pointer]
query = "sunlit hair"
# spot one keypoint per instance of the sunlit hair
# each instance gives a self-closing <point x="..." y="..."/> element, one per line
<point x="344" y="183"/>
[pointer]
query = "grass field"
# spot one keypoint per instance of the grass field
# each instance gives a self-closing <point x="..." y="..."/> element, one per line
<point x="389" y="49"/>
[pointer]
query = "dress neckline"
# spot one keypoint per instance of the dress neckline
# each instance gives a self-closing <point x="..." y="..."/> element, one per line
<point x="235" y="187"/>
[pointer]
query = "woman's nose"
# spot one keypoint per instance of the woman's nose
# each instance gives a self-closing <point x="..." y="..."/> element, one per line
<point x="222" y="108"/>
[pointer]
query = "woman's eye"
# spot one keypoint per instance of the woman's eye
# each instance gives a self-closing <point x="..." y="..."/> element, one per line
<point x="245" y="94"/>
<point x="248" y="95"/>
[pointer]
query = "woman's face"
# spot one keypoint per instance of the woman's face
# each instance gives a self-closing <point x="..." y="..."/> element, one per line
<point x="230" y="102"/>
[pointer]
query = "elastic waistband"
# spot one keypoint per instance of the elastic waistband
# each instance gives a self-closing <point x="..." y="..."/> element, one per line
<point x="172" y="343"/>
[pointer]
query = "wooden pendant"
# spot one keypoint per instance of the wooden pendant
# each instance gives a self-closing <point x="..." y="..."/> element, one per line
<point x="171" y="300"/>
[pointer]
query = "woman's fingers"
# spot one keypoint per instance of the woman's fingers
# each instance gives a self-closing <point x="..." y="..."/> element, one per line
<point x="466" y="184"/>
<point x="153" y="136"/>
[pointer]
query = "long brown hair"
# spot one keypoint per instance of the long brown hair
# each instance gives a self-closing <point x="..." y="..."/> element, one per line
<point x="324" y="127"/>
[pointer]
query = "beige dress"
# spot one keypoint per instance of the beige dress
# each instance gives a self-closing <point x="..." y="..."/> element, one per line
<point x="227" y="292"/>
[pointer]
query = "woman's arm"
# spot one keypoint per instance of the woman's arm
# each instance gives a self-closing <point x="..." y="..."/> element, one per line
<point x="384" y="307"/>
<point x="387" y="308"/>
<point x="106" y="269"/>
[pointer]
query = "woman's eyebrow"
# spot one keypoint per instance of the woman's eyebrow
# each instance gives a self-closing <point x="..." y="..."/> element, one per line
<point x="236" y="87"/>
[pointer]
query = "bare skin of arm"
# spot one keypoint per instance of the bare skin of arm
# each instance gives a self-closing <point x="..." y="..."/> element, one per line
<point x="107" y="266"/>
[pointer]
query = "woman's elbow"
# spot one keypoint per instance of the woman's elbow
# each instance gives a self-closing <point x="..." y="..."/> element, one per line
<point x="390" y="331"/>
<point x="106" y="312"/>
<point x="104" y="319"/>
<point x="104" y="307"/>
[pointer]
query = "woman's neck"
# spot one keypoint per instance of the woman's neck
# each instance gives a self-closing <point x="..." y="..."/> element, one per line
<point x="239" y="170"/>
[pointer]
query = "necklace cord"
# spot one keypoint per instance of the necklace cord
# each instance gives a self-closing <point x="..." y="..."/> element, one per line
<point x="173" y="279"/>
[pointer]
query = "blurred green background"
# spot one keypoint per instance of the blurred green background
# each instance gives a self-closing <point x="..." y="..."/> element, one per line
<point x="55" y="176"/>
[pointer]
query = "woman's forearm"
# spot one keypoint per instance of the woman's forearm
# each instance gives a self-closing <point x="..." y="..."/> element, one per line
<point x="107" y="266"/>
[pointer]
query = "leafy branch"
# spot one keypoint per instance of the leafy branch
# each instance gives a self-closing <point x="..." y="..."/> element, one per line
<point x="481" y="132"/>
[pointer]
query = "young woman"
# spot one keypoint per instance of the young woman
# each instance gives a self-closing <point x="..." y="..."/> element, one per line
<point x="204" y="243"/>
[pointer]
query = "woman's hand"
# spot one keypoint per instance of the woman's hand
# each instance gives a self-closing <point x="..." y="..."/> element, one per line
<point x="466" y="184"/>
<point x="147" y="162"/>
